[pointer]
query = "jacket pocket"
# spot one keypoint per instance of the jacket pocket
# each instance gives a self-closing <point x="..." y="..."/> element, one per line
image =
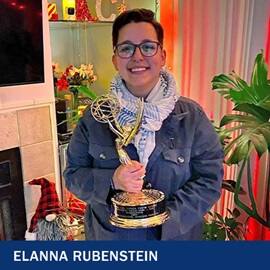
<point x="104" y="156"/>
<point x="176" y="168"/>
<point x="179" y="156"/>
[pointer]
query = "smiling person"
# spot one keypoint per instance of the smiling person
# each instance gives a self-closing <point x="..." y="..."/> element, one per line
<point x="176" y="147"/>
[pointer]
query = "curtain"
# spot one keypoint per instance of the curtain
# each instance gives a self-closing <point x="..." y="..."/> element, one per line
<point x="206" y="37"/>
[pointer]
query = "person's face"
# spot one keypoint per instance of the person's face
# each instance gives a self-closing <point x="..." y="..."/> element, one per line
<point x="140" y="73"/>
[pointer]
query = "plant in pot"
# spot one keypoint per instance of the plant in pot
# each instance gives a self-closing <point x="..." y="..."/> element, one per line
<point x="248" y="130"/>
<point x="217" y="227"/>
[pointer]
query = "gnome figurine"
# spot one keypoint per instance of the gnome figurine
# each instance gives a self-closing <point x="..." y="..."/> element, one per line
<point x="49" y="221"/>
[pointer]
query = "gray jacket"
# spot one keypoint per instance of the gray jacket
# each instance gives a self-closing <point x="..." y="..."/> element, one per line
<point x="186" y="165"/>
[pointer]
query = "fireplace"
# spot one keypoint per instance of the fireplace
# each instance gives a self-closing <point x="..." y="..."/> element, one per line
<point x="12" y="205"/>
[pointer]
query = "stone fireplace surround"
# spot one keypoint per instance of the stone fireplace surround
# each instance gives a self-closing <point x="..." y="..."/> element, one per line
<point x="30" y="129"/>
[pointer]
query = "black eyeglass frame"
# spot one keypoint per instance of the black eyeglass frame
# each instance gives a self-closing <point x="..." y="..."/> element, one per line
<point x="115" y="50"/>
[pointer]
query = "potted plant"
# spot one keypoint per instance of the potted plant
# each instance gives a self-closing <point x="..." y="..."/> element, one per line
<point x="217" y="227"/>
<point x="247" y="131"/>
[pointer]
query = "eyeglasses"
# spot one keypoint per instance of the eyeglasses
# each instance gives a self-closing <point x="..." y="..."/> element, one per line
<point x="127" y="50"/>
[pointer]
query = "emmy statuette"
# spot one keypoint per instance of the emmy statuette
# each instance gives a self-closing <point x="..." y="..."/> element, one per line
<point x="129" y="210"/>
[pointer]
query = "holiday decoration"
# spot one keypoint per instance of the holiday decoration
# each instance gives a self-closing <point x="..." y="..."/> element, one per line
<point x="51" y="220"/>
<point x="82" y="11"/>
<point x="99" y="13"/>
<point x="69" y="12"/>
<point x="48" y="203"/>
<point x="75" y="205"/>
<point x="52" y="13"/>
<point x="122" y="7"/>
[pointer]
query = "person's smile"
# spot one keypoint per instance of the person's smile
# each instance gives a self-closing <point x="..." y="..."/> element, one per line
<point x="138" y="69"/>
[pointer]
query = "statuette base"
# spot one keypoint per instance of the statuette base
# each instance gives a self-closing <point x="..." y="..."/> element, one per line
<point x="139" y="223"/>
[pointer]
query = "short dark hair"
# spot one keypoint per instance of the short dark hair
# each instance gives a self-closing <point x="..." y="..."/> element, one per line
<point x="136" y="15"/>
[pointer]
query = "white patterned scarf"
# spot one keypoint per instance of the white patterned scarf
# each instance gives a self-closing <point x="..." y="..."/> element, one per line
<point x="157" y="106"/>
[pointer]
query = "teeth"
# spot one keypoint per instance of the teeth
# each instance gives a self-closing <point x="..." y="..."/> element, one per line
<point x="137" y="69"/>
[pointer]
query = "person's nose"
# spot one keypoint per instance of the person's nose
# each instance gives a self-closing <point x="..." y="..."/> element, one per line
<point x="137" y="56"/>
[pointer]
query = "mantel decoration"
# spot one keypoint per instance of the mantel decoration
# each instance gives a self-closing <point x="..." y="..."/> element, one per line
<point x="77" y="80"/>
<point x="53" y="221"/>
<point x="82" y="11"/>
<point x="52" y="12"/>
<point x="120" y="8"/>
<point x="72" y="84"/>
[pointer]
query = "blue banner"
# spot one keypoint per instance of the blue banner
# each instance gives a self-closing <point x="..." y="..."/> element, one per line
<point x="133" y="255"/>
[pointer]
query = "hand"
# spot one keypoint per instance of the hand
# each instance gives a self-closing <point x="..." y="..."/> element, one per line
<point x="129" y="177"/>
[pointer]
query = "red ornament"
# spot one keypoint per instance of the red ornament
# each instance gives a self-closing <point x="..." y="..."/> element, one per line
<point x="82" y="11"/>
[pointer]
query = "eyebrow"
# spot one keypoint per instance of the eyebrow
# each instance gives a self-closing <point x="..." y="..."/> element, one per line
<point x="130" y="42"/>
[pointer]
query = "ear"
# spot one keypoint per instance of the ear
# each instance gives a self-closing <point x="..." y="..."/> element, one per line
<point x="114" y="61"/>
<point x="163" y="57"/>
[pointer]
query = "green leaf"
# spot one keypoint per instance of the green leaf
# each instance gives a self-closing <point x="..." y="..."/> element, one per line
<point x="254" y="110"/>
<point x="229" y="118"/>
<point x="241" y="151"/>
<point x="222" y="81"/>
<point x="259" y="82"/>
<point x="224" y="93"/>
<point x="241" y="84"/>
<point x="87" y="92"/>
<point x="248" y="132"/>
<point x="219" y="217"/>
<point x="220" y="235"/>
<point x="241" y="96"/>
<point x="230" y="222"/>
<point x="236" y="89"/>
<point x="265" y="103"/>
<point x="264" y="129"/>
<point x="224" y="135"/>
<point x="259" y="142"/>
<point x="230" y="186"/>
<point x="211" y="231"/>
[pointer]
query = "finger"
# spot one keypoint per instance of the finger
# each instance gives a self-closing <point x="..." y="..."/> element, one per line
<point x="134" y="166"/>
<point x="138" y="174"/>
<point x="137" y="185"/>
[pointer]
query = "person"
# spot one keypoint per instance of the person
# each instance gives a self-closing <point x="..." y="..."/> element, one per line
<point x="176" y="147"/>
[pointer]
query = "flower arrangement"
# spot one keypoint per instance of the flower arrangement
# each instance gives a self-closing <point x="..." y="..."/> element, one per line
<point x="77" y="81"/>
<point x="75" y="76"/>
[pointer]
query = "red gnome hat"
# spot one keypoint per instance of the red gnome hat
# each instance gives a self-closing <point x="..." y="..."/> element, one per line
<point x="48" y="203"/>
